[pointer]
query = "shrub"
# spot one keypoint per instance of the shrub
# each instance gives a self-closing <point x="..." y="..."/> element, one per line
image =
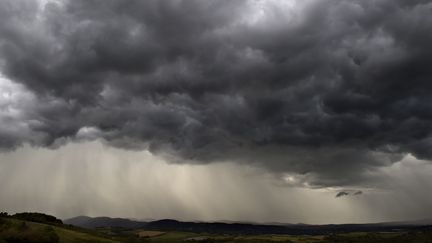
<point x="38" y="217"/>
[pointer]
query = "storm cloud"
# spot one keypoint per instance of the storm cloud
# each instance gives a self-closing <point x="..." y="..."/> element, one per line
<point x="329" y="90"/>
<point x="342" y="194"/>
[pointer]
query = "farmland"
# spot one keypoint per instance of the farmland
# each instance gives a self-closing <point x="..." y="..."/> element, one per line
<point x="42" y="228"/>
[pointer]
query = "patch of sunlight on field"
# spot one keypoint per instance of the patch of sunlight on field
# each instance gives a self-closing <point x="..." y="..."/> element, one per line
<point x="149" y="233"/>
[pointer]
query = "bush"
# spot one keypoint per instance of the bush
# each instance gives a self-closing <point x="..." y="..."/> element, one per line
<point x="38" y="217"/>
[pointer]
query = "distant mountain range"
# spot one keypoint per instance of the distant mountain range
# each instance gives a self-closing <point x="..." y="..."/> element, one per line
<point x="102" y="222"/>
<point x="243" y="228"/>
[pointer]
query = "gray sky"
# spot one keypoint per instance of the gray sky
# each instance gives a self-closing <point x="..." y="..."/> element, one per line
<point x="295" y="111"/>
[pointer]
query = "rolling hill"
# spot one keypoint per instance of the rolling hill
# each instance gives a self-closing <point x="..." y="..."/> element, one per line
<point x="244" y="228"/>
<point x="35" y="227"/>
<point x="20" y="230"/>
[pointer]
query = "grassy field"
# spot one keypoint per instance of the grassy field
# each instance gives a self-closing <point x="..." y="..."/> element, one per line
<point x="195" y="237"/>
<point x="383" y="237"/>
<point x="67" y="236"/>
<point x="14" y="230"/>
<point x="17" y="230"/>
<point x="149" y="233"/>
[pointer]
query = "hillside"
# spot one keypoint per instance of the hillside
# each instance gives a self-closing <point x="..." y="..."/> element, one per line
<point x="99" y="222"/>
<point x="243" y="228"/>
<point x="35" y="227"/>
<point x="18" y="230"/>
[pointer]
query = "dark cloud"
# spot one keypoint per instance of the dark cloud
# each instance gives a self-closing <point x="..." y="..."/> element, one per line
<point x="349" y="193"/>
<point x="328" y="89"/>
<point x="342" y="194"/>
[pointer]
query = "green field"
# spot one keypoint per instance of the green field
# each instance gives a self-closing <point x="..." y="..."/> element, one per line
<point x="194" y="237"/>
<point x="22" y="230"/>
<point x="402" y="237"/>
<point x="14" y="230"/>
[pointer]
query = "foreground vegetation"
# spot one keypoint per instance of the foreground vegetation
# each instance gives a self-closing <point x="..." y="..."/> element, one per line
<point x="40" y="228"/>
<point x="34" y="227"/>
